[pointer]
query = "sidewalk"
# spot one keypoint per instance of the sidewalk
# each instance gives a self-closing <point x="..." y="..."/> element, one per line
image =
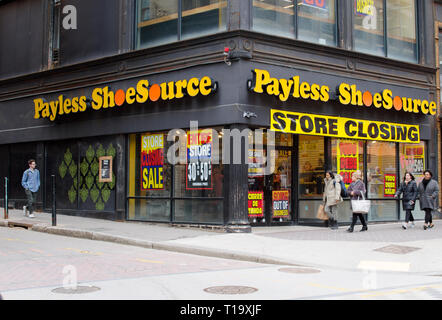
<point x="414" y="250"/>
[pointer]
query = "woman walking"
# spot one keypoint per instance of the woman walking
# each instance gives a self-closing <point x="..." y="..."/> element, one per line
<point x="332" y="197"/>
<point x="357" y="190"/>
<point x="428" y="190"/>
<point x="409" y="190"/>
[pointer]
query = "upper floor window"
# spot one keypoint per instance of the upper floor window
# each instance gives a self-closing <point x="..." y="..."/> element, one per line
<point x="165" y="21"/>
<point x="308" y="20"/>
<point x="386" y="28"/>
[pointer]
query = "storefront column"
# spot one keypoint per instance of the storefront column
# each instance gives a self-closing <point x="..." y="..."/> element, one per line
<point x="237" y="213"/>
<point x="120" y="172"/>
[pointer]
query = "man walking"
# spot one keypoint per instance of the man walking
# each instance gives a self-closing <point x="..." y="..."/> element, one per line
<point x="31" y="183"/>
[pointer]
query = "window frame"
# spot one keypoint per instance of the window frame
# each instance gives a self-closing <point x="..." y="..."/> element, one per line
<point x="171" y="197"/>
<point x="296" y="23"/>
<point x="385" y="33"/>
<point x="136" y="42"/>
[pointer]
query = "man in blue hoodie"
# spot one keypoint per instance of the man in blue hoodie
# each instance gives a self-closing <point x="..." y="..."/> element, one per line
<point x="31" y="183"/>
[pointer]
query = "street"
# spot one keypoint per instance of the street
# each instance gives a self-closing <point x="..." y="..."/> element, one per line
<point x="39" y="266"/>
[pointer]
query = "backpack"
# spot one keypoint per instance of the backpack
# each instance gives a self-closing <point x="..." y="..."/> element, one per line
<point x="343" y="189"/>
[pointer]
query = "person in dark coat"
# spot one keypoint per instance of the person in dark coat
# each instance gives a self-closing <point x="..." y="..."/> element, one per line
<point x="356" y="191"/>
<point x="428" y="191"/>
<point x="409" y="190"/>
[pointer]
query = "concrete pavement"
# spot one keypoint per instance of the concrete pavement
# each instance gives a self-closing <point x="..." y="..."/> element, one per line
<point x="384" y="248"/>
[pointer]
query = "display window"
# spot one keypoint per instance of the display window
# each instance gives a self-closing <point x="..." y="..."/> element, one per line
<point x="412" y="159"/>
<point x="311" y="166"/>
<point x="190" y="192"/>
<point x="382" y="177"/>
<point x="347" y="157"/>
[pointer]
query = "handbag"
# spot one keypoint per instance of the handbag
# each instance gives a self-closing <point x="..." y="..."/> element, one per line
<point x="361" y="206"/>
<point x="320" y="214"/>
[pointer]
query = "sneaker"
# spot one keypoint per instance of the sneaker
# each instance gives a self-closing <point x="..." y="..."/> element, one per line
<point x="431" y="226"/>
<point x="425" y="227"/>
<point x="31" y="215"/>
<point x="24" y="211"/>
<point x="404" y="226"/>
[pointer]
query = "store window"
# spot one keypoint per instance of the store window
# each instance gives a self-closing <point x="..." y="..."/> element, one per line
<point x="368" y="32"/>
<point x="274" y="17"/>
<point x="198" y="185"/>
<point x="157" y="22"/>
<point x="311" y="166"/>
<point x="347" y="157"/>
<point x="160" y="191"/>
<point x="201" y="17"/>
<point x="440" y="60"/>
<point x="150" y="177"/>
<point x="382" y="178"/>
<point x="166" y="21"/>
<point x="412" y="159"/>
<point x="401" y="30"/>
<point x="386" y="31"/>
<point x="316" y="19"/>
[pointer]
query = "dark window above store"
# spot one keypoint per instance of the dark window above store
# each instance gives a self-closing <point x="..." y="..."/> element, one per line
<point x="307" y="20"/>
<point x="91" y="31"/>
<point x="21" y="34"/>
<point x="165" y="21"/>
<point x="386" y="28"/>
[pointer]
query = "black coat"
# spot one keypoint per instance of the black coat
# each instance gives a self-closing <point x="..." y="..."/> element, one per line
<point x="428" y="196"/>
<point x="409" y="192"/>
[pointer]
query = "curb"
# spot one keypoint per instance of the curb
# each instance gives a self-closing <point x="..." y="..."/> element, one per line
<point x="97" y="236"/>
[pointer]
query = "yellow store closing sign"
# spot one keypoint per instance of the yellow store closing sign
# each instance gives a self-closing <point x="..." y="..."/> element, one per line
<point x="319" y="125"/>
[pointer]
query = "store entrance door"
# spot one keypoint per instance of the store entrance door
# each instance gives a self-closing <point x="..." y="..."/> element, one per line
<point x="270" y="197"/>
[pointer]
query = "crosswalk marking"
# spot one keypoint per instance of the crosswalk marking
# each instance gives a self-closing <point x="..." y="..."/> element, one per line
<point x="149" y="261"/>
<point x="384" y="266"/>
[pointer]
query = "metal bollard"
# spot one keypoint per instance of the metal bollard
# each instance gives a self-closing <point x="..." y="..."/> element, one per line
<point x="54" y="204"/>
<point x="6" y="199"/>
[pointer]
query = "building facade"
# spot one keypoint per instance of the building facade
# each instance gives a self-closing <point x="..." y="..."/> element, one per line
<point x="216" y="112"/>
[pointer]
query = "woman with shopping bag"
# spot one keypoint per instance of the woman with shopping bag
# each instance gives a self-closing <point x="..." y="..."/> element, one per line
<point x="359" y="205"/>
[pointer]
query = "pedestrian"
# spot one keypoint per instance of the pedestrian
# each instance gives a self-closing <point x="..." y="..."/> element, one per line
<point x="355" y="191"/>
<point x="428" y="191"/>
<point x="332" y="197"/>
<point x="31" y="184"/>
<point x="409" y="190"/>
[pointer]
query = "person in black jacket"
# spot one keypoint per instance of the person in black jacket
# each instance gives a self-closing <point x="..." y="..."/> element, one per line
<point x="409" y="190"/>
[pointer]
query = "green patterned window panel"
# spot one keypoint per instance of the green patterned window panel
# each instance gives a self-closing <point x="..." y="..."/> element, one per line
<point x="85" y="176"/>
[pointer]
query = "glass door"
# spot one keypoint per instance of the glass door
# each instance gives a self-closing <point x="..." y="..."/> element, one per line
<point x="270" y="196"/>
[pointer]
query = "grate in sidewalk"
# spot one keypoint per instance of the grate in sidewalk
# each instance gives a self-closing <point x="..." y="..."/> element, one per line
<point x="299" y="270"/>
<point x="395" y="249"/>
<point x="230" y="290"/>
<point x="77" y="290"/>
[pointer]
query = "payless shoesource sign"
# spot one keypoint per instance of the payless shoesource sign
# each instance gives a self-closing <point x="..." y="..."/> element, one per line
<point x="105" y="98"/>
<point x="347" y="94"/>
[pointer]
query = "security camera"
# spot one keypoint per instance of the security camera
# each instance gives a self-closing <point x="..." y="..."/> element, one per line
<point x="248" y="115"/>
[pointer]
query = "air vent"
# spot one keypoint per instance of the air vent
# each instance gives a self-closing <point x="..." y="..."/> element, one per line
<point x="55" y="56"/>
